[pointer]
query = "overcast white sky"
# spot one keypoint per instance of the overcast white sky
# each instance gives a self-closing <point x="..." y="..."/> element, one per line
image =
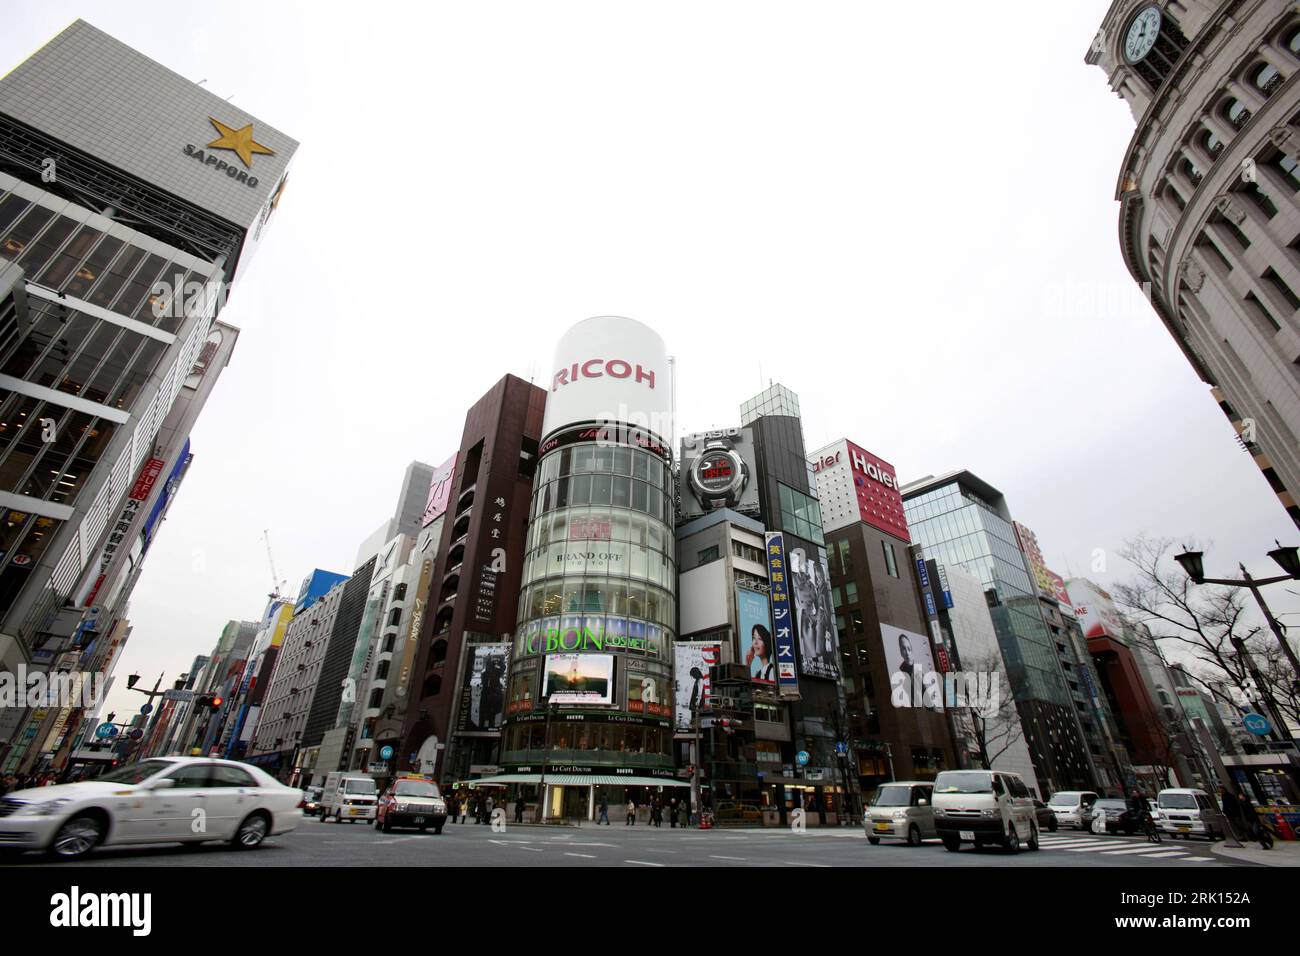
<point x="904" y="214"/>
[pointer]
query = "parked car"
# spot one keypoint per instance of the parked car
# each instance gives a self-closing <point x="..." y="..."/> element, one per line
<point x="348" y="796"/>
<point x="1045" y="816"/>
<point x="1070" y="806"/>
<point x="1189" y="813"/>
<point x="411" y="800"/>
<point x="984" y="807"/>
<point x="159" y="800"/>
<point x="1119" y="818"/>
<point x="901" y="810"/>
<point x="732" y="812"/>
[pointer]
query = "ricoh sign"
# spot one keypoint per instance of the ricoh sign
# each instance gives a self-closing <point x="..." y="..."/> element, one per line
<point x="610" y="369"/>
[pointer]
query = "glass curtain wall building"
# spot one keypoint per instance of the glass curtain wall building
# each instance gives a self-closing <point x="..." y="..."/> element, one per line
<point x="960" y="519"/>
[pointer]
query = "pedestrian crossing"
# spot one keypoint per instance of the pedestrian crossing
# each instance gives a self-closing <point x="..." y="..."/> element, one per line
<point x="1120" y="847"/>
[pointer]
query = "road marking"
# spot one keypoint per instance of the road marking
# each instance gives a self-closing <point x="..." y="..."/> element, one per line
<point x="714" y="857"/>
<point x="650" y="850"/>
<point x="1166" y="853"/>
<point x="643" y="862"/>
<point x="795" y="863"/>
<point x="1152" y="848"/>
<point x="585" y="856"/>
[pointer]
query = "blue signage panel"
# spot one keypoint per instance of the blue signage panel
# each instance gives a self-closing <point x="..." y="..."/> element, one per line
<point x="385" y="752"/>
<point x="929" y="604"/>
<point x="801" y="758"/>
<point x="921" y="573"/>
<point x="782" y="620"/>
<point x="1257" y="724"/>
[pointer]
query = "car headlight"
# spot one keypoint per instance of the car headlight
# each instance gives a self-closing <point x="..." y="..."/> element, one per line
<point x="988" y="813"/>
<point x="900" y="814"/>
<point x="50" y="807"/>
<point x="439" y="807"/>
<point x="940" y="812"/>
<point x="399" y="807"/>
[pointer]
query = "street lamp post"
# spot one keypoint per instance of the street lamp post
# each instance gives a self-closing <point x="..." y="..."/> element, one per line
<point x="695" y="762"/>
<point x="1288" y="559"/>
<point x="546" y="752"/>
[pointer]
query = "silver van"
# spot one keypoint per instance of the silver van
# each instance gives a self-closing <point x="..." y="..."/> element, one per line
<point x="901" y="810"/>
<point x="984" y="807"/>
<point x="1188" y="813"/>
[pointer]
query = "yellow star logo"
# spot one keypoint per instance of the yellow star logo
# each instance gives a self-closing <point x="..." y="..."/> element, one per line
<point x="239" y="140"/>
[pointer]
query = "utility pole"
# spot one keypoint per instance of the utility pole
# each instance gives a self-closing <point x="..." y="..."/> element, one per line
<point x="546" y="753"/>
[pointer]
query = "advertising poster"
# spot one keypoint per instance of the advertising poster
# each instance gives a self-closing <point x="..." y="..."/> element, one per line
<point x="908" y="660"/>
<point x="579" y="679"/>
<point x="691" y="663"/>
<point x="814" y="614"/>
<point x="782" y="616"/>
<point x="754" y="622"/>
<point x="644" y="695"/>
<point x="483" y="696"/>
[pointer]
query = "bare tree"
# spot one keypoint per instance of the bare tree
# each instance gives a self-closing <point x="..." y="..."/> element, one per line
<point x="1202" y="620"/>
<point x="992" y="726"/>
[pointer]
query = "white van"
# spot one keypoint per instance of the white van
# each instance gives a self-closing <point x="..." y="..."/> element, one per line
<point x="348" y="796"/>
<point x="984" y="807"/>
<point x="1189" y="813"/>
<point x="1071" y="807"/>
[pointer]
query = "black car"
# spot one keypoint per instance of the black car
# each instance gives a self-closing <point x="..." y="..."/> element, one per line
<point x="1119" y="818"/>
<point x="1046" y="818"/>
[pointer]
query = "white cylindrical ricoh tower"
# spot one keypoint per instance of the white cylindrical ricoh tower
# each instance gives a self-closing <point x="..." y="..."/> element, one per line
<point x="597" y="608"/>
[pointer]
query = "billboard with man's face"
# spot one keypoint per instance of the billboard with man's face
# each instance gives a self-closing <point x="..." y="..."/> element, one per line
<point x="908" y="659"/>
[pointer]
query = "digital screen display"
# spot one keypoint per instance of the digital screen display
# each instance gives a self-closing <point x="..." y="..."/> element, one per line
<point x="721" y="471"/>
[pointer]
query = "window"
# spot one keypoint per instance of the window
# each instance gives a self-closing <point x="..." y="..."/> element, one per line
<point x="399" y="592"/>
<point x="381" y="672"/>
<point x="395" y="618"/>
<point x="191" y="776"/>
<point x="891" y="561"/>
<point x="376" y="698"/>
<point x="223" y="776"/>
<point x="1236" y="113"/>
<point x="1267" y="79"/>
<point x="709" y="554"/>
<point x="1264" y="320"/>
<point x="1281" y="288"/>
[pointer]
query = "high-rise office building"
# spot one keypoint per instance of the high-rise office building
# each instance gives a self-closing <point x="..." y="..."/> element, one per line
<point x="1209" y="223"/>
<point x="962" y="520"/>
<point x="129" y="198"/>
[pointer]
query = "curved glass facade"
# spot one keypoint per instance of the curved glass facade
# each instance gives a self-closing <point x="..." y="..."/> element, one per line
<point x="597" y="596"/>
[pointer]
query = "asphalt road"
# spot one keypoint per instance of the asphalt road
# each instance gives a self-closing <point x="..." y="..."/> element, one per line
<point x="330" y="844"/>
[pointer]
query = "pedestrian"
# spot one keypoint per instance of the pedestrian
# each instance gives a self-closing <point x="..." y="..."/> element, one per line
<point x="672" y="814"/>
<point x="686" y="813"/>
<point x="463" y="805"/>
<point x="1243" y="818"/>
<point x="631" y="813"/>
<point x="519" y="808"/>
<point x="604" y="811"/>
<point x="488" y="805"/>
<point x="656" y="812"/>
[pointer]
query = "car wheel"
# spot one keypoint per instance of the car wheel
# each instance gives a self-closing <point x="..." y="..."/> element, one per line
<point x="951" y="844"/>
<point x="78" y="836"/>
<point x="873" y="840"/>
<point x="1033" y="836"/>
<point x="252" y="831"/>
<point x="1011" y="843"/>
<point x="1052" y="825"/>
<point x="913" y="835"/>
<point x="438" y="828"/>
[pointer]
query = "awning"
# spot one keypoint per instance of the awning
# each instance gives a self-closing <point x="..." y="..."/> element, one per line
<point x="574" y="780"/>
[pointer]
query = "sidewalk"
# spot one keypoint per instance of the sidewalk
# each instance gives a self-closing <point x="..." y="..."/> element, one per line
<point x="1284" y="853"/>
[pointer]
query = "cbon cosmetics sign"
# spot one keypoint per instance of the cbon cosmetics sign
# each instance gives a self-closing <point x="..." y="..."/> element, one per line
<point x="610" y="369"/>
<point x="870" y="481"/>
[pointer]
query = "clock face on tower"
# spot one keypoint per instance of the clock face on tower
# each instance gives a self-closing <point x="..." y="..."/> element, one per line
<point x="1142" y="33"/>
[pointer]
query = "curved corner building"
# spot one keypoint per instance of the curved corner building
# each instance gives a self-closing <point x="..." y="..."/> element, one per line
<point x="588" y="707"/>
<point x="1209" y="221"/>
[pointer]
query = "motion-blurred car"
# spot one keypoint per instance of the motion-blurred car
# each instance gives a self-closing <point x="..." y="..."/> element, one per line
<point x="730" y="812"/>
<point x="1046" y="817"/>
<point x="159" y="800"/>
<point x="311" y="802"/>
<point x="411" y="800"/>
<point x="1119" y="818"/>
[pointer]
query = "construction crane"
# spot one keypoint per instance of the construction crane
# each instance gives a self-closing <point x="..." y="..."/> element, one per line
<point x="276" y="581"/>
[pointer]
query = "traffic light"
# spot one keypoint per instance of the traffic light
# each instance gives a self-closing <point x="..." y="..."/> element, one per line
<point x="132" y="681"/>
<point x="209" y="701"/>
<point x="217" y="702"/>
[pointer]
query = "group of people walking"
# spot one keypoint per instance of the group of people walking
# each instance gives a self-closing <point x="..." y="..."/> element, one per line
<point x="675" y="810"/>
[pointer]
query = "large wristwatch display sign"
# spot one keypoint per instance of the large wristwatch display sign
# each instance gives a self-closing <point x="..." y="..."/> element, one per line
<point x="717" y="472"/>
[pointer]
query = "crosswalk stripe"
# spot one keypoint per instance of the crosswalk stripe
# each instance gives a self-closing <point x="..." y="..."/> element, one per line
<point x="1151" y="849"/>
<point x="1156" y="856"/>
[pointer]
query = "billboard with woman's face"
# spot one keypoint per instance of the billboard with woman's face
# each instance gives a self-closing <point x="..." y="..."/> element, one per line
<point x="754" y="624"/>
<point x="810" y="583"/>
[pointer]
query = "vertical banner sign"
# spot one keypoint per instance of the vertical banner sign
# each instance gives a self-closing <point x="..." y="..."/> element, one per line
<point x="921" y="573"/>
<point x="782" y="621"/>
<point x="119" y="530"/>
